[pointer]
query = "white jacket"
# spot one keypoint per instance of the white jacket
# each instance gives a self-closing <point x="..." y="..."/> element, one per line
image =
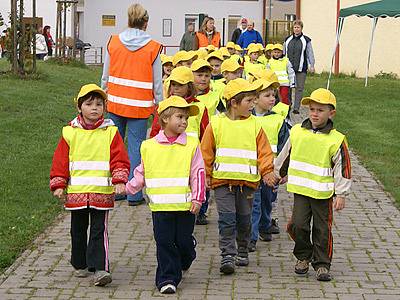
<point x="41" y="46"/>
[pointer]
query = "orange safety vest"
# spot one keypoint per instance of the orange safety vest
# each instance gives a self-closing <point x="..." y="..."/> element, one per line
<point x="130" y="81"/>
<point x="203" y="40"/>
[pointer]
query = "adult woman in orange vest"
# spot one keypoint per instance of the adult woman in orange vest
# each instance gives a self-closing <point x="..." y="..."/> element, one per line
<point x="132" y="77"/>
<point x="207" y="35"/>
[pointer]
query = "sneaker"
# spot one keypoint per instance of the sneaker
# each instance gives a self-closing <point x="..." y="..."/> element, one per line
<point x="323" y="274"/>
<point x="252" y="246"/>
<point x="301" y="267"/>
<point x="242" y="261"/>
<point x="136" y="203"/>
<point x="81" y="273"/>
<point x="265" y="237"/>
<point x="102" y="278"/>
<point x="168" y="289"/>
<point x="227" y="265"/>
<point x="274" y="229"/>
<point x="201" y="220"/>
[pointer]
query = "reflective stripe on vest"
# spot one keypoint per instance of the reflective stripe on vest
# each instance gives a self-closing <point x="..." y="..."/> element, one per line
<point x="194" y="122"/>
<point x="279" y="66"/>
<point x="203" y="40"/>
<point x="310" y="168"/>
<point x="271" y="124"/>
<point x="89" y="156"/>
<point x="130" y="82"/>
<point x="210" y="100"/>
<point x="167" y="172"/>
<point x="236" y="148"/>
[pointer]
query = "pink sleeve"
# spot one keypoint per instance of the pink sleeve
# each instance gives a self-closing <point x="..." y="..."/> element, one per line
<point x="137" y="182"/>
<point x="197" y="178"/>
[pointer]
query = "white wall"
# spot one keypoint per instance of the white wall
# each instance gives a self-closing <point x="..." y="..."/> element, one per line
<point x="98" y="35"/>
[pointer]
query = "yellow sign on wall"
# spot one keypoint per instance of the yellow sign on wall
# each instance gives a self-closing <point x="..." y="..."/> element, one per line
<point x="108" y="20"/>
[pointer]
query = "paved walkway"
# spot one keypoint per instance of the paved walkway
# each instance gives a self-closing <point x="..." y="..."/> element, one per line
<point x="366" y="261"/>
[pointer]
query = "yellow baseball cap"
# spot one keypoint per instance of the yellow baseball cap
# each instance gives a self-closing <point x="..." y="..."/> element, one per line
<point x="88" y="88"/>
<point x="238" y="86"/>
<point x="253" y="48"/>
<point x="269" y="47"/>
<point x="230" y="45"/>
<point x="238" y="48"/>
<point x="266" y="84"/>
<point x="182" y="75"/>
<point x="277" y="46"/>
<point x="230" y="65"/>
<point x="181" y="56"/>
<point x="225" y="52"/>
<point x="202" y="53"/>
<point x="322" y="96"/>
<point x="265" y="74"/>
<point x="165" y="59"/>
<point x="176" y="101"/>
<point x="200" y="63"/>
<point x="210" y="48"/>
<point x="215" y="54"/>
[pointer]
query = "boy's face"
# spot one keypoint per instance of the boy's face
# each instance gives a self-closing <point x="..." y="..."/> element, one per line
<point x="266" y="100"/>
<point x="232" y="75"/>
<point x="202" y="80"/>
<point x="185" y="63"/>
<point x="231" y="51"/>
<point x="245" y="107"/>
<point x="92" y="110"/>
<point x="177" y="123"/>
<point x="216" y="65"/>
<point x="177" y="89"/>
<point x="167" y="68"/>
<point x="276" y="53"/>
<point x="319" y="114"/>
<point x="254" y="55"/>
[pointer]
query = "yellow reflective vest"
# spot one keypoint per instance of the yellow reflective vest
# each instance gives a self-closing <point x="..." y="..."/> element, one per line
<point x="310" y="169"/>
<point x="193" y="128"/>
<point x="167" y="172"/>
<point x="89" y="159"/>
<point x="210" y="100"/>
<point x="250" y="67"/>
<point x="281" y="109"/>
<point x="272" y="124"/>
<point x="236" y="148"/>
<point x="279" y="66"/>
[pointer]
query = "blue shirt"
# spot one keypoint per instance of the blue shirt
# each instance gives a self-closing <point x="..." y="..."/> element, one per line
<point x="249" y="37"/>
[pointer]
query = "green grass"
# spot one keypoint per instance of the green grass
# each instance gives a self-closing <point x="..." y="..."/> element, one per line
<point x="368" y="116"/>
<point x="32" y="113"/>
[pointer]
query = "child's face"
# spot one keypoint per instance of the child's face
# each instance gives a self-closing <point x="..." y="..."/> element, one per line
<point x="276" y="53"/>
<point x="187" y="63"/>
<point x="268" y="54"/>
<point x="202" y="80"/>
<point x="319" y="114"/>
<point x="238" y="52"/>
<point x="232" y="75"/>
<point x="167" y="68"/>
<point x="92" y="110"/>
<point x="231" y="51"/>
<point x="254" y="56"/>
<point x="216" y="65"/>
<point x="177" y="123"/>
<point x="244" y="108"/>
<point x="266" y="100"/>
<point x="177" y="89"/>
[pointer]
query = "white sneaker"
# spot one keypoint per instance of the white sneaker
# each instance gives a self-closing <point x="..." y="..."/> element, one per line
<point x="81" y="273"/>
<point x="168" y="289"/>
<point x="102" y="278"/>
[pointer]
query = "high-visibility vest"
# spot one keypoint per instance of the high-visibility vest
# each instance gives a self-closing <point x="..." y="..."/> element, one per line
<point x="167" y="172"/>
<point x="310" y="169"/>
<point x="279" y="66"/>
<point x="272" y="124"/>
<point x="203" y="40"/>
<point x="236" y="148"/>
<point x="130" y="81"/>
<point x="237" y="57"/>
<point x="210" y="100"/>
<point x="194" y="122"/>
<point x="89" y="159"/>
<point x="249" y="67"/>
<point x="281" y="109"/>
<point x="263" y="59"/>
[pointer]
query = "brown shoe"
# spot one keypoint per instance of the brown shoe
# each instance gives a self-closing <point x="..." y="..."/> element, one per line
<point x="323" y="274"/>
<point x="301" y="267"/>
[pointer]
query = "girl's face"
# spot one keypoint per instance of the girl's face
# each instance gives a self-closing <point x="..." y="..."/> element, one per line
<point x="92" y="110"/>
<point x="265" y="100"/>
<point x="254" y="56"/>
<point x="210" y="25"/>
<point x="276" y="53"/>
<point x="177" y="123"/>
<point x="167" y="68"/>
<point x="177" y="89"/>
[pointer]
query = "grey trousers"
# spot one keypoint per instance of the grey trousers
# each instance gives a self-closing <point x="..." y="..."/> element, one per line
<point x="234" y="205"/>
<point x="300" y="80"/>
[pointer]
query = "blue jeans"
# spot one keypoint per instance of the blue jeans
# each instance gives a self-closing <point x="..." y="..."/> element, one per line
<point x="137" y="130"/>
<point x="262" y="208"/>
<point x="204" y="206"/>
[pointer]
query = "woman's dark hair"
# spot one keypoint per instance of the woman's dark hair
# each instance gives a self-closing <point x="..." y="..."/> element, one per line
<point x="46" y="29"/>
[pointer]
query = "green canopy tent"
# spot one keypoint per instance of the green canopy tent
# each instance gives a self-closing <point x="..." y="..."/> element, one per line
<point x="374" y="10"/>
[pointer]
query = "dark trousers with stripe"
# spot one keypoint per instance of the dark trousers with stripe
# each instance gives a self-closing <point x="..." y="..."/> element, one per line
<point x="92" y="253"/>
<point x="320" y="250"/>
<point x="173" y="233"/>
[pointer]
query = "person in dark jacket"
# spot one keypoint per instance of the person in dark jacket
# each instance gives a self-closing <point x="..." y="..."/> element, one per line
<point x="299" y="50"/>
<point x="238" y="31"/>
<point x="188" y="38"/>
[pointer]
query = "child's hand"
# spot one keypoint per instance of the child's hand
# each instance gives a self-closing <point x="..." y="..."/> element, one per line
<point x="339" y="203"/>
<point x="195" y="208"/>
<point x="283" y="180"/>
<point x="208" y="183"/>
<point x="270" y="179"/>
<point x="120" y="189"/>
<point x="59" y="193"/>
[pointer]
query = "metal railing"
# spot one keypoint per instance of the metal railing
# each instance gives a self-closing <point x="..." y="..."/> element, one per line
<point x="92" y="56"/>
<point x="170" y="49"/>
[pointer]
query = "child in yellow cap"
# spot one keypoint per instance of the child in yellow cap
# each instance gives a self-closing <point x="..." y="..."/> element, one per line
<point x="283" y="69"/>
<point x="172" y="171"/>
<point x="90" y="165"/>
<point x="184" y="58"/>
<point x="319" y="175"/>
<point x="277" y="131"/>
<point x="167" y="66"/>
<point x="237" y="155"/>
<point x="231" y="70"/>
<point x="253" y="64"/>
<point x="215" y="59"/>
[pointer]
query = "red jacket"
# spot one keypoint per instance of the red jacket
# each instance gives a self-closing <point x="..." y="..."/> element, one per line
<point x="119" y="167"/>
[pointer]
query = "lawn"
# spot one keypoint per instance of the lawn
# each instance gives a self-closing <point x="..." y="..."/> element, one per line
<point x="34" y="111"/>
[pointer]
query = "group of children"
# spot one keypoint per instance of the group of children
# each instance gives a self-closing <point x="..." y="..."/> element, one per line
<point x="221" y="127"/>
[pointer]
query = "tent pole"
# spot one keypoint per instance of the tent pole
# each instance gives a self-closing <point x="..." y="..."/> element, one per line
<point x="338" y="32"/>
<point x="374" y="22"/>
